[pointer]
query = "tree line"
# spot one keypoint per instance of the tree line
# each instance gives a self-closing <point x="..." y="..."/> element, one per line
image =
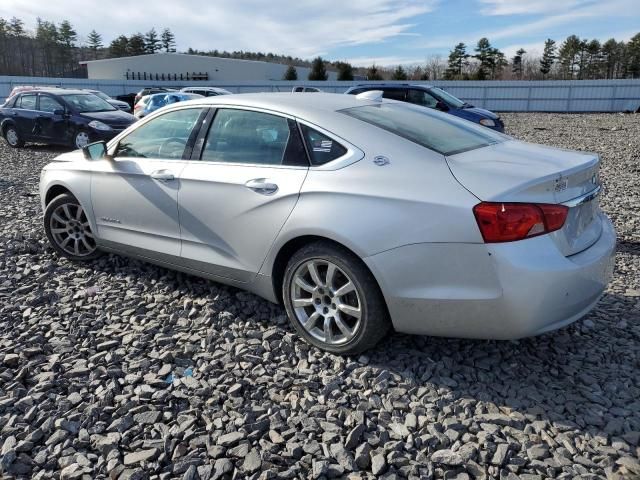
<point x="54" y="50"/>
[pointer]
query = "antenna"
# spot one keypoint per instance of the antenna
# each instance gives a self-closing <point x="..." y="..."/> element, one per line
<point x="373" y="95"/>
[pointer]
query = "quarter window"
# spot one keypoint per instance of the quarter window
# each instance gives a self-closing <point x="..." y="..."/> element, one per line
<point x="27" y="102"/>
<point x="322" y="149"/>
<point x="164" y="137"/>
<point x="245" y="136"/>
<point x="49" y="104"/>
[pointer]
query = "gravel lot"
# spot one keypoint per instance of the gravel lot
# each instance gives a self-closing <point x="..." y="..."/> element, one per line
<point x="124" y="370"/>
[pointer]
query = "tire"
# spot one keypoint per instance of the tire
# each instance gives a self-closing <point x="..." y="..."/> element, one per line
<point x="12" y="137"/>
<point x="81" y="139"/>
<point x="356" y="319"/>
<point x="68" y="230"/>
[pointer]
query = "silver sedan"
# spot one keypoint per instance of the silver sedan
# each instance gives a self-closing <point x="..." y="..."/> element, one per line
<point x="359" y="214"/>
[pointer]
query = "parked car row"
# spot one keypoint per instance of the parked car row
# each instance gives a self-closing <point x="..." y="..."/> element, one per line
<point x="358" y="213"/>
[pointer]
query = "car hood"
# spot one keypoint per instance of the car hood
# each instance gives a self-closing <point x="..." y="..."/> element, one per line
<point x="118" y="103"/>
<point x="481" y="112"/>
<point x="115" y="117"/>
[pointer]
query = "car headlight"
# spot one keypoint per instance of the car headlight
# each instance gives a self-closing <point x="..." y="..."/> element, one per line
<point x="98" y="125"/>
<point x="487" y="122"/>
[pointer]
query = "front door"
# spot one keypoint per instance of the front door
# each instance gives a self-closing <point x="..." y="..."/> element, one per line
<point x="239" y="190"/>
<point x="52" y="124"/>
<point x="135" y="194"/>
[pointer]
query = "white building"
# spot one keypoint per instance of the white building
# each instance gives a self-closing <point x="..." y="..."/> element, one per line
<point x="180" y="66"/>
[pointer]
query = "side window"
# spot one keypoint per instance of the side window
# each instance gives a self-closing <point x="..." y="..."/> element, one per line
<point x="244" y="136"/>
<point x="395" y="94"/>
<point x="322" y="149"/>
<point x="49" y="104"/>
<point x="420" y="97"/>
<point x="164" y="137"/>
<point x="27" y="102"/>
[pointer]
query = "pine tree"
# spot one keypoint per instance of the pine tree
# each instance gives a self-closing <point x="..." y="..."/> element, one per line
<point x="291" y="73"/>
<point x="458" y="59"/>
<point x="119" y="47"/>
<point x="168" y="40"/>
<point x="373" y="73"/>
<point x="136" y="45"/>
<point x="517" y="63"/>
<point x="15" y="27"/>
<point x="548" y="57"/>
<point x="633" y="56"/>
<point x="151" y="41"/>
<point x="568" y="55"/>
<point x="67" y="34"/>
<point x="399" y="73"/>
<point x="94" y="41"/>
<point x="345" y="71"/>
<point x="318" y="70"/>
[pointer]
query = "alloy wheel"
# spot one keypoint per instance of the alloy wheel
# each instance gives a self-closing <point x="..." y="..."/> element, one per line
<point x="70" y="230"/>
<point x="82" y="139"/>
<point x="326" y="302"/>
<point x="12" y="137"/>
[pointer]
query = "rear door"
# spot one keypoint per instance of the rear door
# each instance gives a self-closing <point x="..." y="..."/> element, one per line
<point x="26" y="108"/>
<point x="238" y="191"/>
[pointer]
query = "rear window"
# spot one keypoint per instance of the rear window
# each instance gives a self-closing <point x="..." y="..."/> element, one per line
<point x="425" y="127"/>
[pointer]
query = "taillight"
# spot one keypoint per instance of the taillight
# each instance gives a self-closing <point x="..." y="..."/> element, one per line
<point x="507" y="222"/>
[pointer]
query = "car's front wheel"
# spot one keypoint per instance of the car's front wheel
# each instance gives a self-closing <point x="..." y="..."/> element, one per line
<point x="81" y="139"/>
<point x="333" y="300"/>
<point x="68" y="230"/>
<point x="12" y="137"/>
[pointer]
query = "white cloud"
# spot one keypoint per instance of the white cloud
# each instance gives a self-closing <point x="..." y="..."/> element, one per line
<point x="297" y="28"/>
<point x="541" y="27"/>
<point x="529" y="7"/>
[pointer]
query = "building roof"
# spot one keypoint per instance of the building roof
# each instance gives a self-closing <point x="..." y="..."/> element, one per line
<point x="167" y="55"/>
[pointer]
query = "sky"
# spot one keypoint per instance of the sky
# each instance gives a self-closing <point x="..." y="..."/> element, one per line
<point x="363" y="32"/>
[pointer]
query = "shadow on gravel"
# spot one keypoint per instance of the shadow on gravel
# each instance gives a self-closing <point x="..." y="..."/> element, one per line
<point x="582" y="377"/>
<point x="41" y="147"/>
<point x="632" y="248"/>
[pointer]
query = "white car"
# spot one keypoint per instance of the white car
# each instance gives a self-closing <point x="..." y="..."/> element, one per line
<point x="206" y="91"/>
<point x="359" y="214"/>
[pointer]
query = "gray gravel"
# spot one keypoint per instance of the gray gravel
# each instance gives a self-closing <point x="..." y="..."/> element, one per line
<point x="119" y="369"/>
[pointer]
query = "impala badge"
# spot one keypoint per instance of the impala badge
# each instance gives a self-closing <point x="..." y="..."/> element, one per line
<point x="110" y="220"/>
<point x="381" y="161"/>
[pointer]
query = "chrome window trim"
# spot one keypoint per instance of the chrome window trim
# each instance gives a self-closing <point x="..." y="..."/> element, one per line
<point x="582" y="199"/>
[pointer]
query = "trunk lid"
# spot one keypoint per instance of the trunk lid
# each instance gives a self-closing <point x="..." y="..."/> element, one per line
<point x="515" y="171"/>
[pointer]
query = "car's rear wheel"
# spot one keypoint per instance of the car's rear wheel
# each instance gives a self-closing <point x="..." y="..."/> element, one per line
<point x="332" y="299"/>
<point x="81" y="139"/>
<point x="68" y="230"/>
<point x="12" y="137"/>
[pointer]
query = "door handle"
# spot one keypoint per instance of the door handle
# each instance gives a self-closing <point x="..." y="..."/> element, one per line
<point x="163" y="175"/>
<point x="262" y="186"/>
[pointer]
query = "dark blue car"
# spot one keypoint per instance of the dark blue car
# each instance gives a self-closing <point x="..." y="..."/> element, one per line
<point x="59" y="116"/>
<point x="434" y="97"/>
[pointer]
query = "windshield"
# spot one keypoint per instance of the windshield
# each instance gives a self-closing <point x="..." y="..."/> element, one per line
<point x="446" y="97"/>
<point x="87" y="102"/>
<point x="434" y="130"/>
<point x="103" y="96"/>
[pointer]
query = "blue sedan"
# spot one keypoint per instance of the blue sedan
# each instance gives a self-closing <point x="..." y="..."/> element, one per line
<point x="434" y="97"/>
<point x="159" y="100"/>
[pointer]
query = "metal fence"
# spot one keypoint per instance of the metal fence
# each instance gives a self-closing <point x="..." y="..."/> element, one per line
<point x="502" y="96"/>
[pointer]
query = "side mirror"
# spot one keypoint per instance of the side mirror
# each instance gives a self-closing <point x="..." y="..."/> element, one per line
<point x="95" y="151"/>
<point x="60" y="112"/>
<point x="442" y="106"/>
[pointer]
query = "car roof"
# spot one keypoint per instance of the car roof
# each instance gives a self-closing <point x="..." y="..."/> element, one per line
<point x="388" y="85"/>
<point x="317" y="108"/>
<point x="55" y="91"/>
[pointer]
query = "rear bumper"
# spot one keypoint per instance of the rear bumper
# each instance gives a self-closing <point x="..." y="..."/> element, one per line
<point x="496" y="291"/>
